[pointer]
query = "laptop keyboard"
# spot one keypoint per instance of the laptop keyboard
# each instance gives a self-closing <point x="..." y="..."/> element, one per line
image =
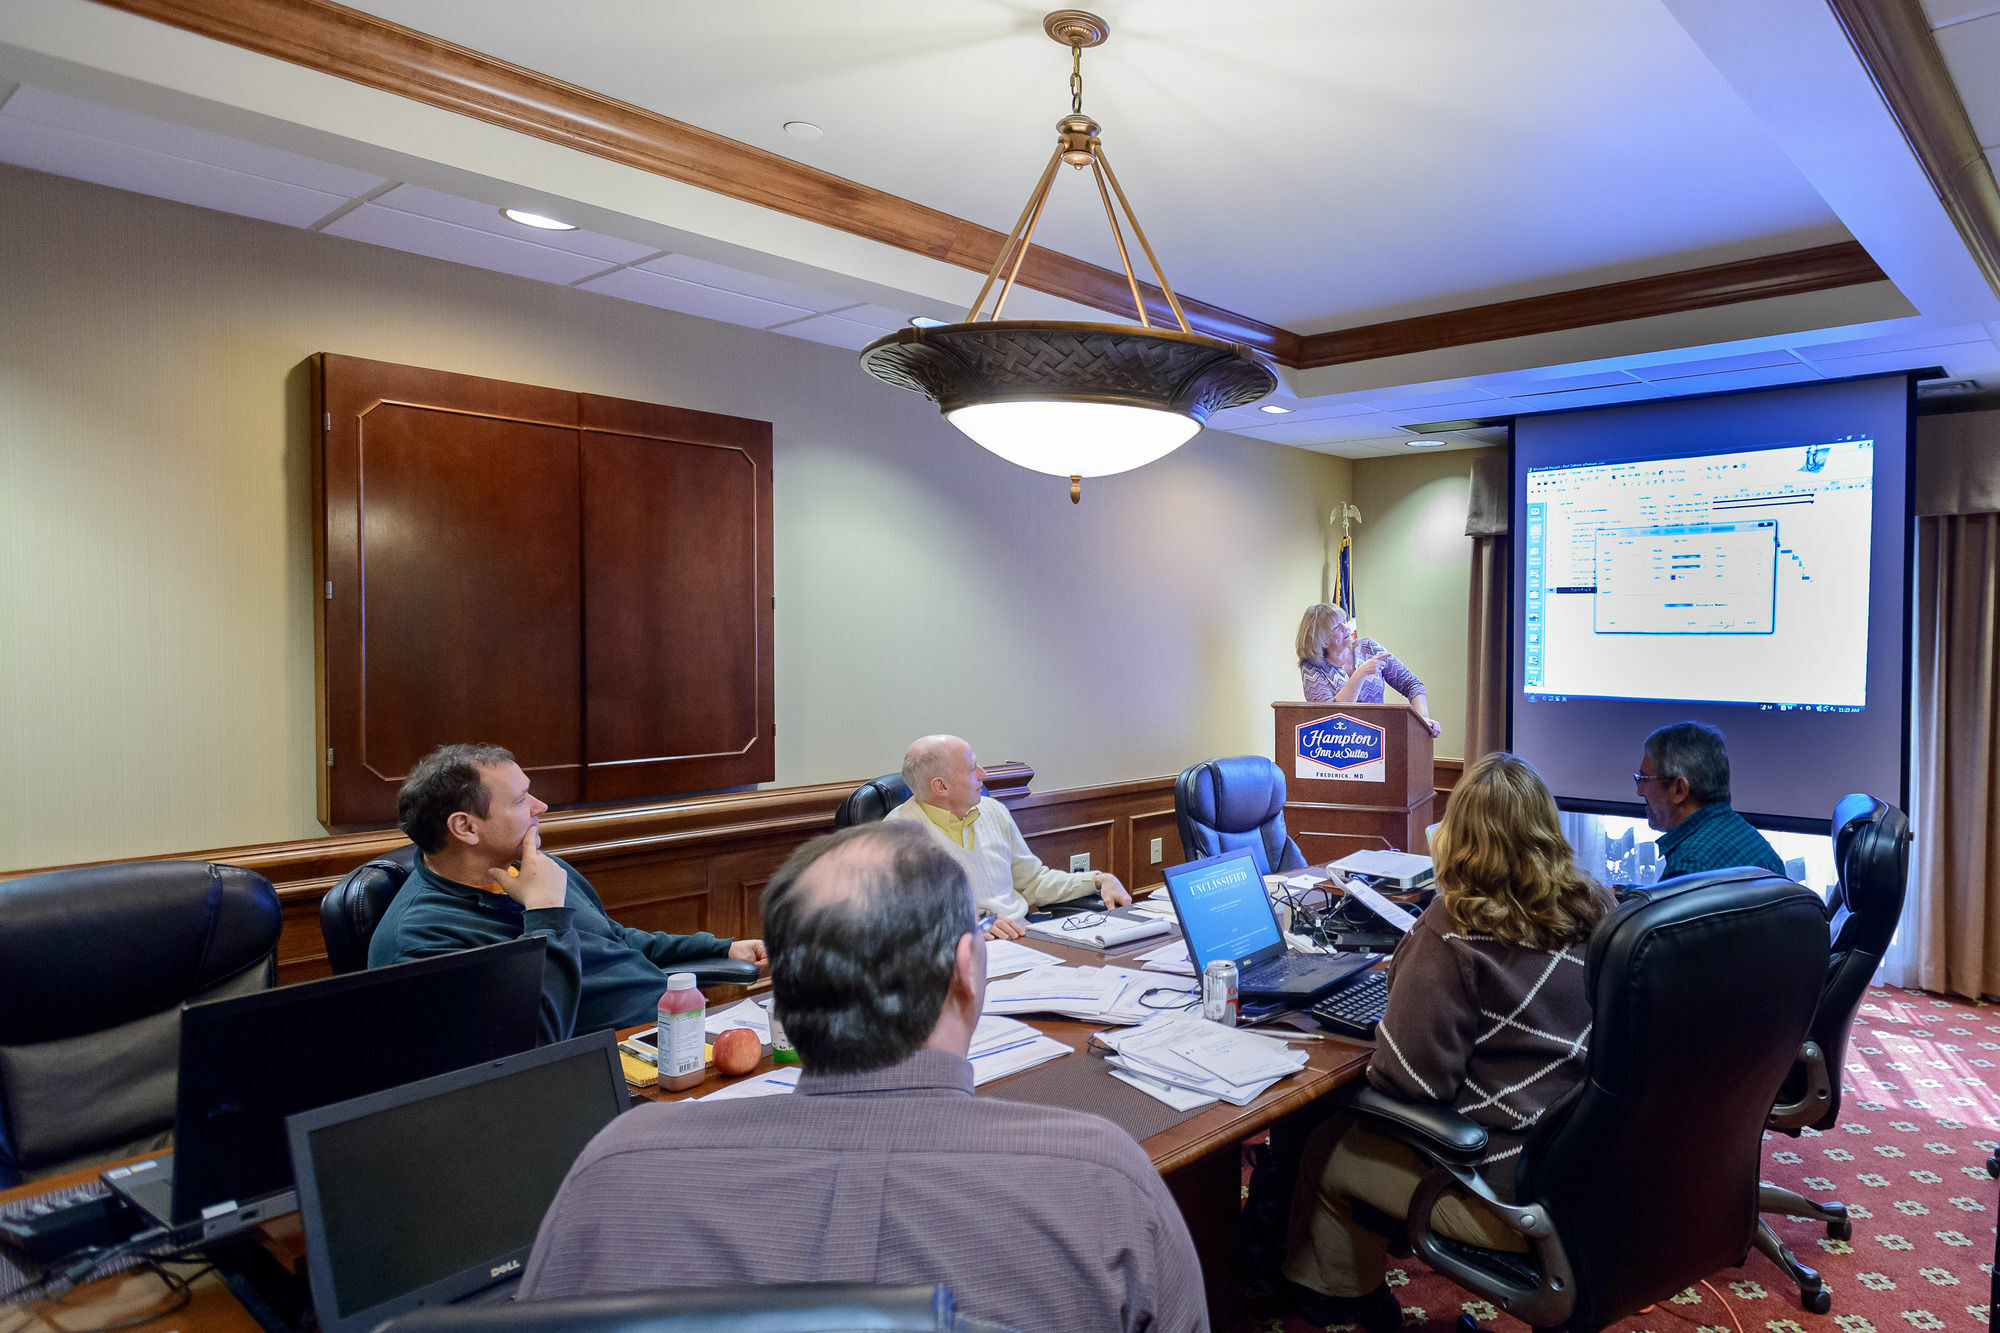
<point x="1355" y="1009"/>
<point x="1272" y="973"/>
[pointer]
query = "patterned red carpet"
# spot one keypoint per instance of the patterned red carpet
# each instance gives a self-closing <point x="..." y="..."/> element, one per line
<point x="1919" y="1116"/>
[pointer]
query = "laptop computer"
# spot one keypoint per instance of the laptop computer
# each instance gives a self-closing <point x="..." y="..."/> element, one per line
<point x="248" y="1062"/>
<point x="1225" y="913"/>
<point x="431" y="1193"/>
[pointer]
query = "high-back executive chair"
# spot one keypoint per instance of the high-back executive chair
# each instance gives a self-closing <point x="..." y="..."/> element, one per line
<point x="1871" y="857"/>
<point x="872" y="800"/>
<point x="1223" y="805"/>
<point x="1644" y="1178"/>
<point x="97" y="962"/>
<point x="353" y="908"/>
<point x="798" y="1307"/>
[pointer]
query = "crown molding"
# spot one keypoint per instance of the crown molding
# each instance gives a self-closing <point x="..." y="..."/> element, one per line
<point x="346" y="43"/>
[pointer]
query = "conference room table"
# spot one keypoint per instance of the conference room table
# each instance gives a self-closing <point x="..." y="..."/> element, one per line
<point x="1200" y="1158"/>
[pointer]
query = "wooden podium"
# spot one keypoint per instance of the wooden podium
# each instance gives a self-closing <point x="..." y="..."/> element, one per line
<point x="1365" y="779"/>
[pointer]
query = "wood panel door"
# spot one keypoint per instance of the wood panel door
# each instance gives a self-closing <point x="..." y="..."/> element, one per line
<point x="451" y="569"/>
<point x="677" y="595"/>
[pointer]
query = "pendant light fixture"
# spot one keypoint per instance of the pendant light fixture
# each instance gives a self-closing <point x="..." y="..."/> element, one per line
<point x="1074" y="400"/>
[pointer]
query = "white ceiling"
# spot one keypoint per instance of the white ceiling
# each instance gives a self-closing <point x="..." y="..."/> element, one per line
<point x="1404" y="160"/>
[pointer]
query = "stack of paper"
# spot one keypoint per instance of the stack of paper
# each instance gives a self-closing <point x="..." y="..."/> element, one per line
<point x="767" y="1084"/>
<point x="1098" y="930"/>
<point x="1001" y="1046"/>
<point x="1007" y="956"/>
<point x="1094" y="994"/>
<point x="1161" y="904"/>
<point x="749" y="1014"/>
<point x="1194" y="1056"/>
<point x="1169" y="958"/>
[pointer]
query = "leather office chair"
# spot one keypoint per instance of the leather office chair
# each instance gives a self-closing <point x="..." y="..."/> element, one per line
<point x="800" y="1307"/>
<point x="353" y="908"/>
<point x="1871" y="856"/>
<point x="1222" y="805"/>
<point x="1643" y="1179"/>
<point x="872" y="800"/>
<point x="97" y="963"/>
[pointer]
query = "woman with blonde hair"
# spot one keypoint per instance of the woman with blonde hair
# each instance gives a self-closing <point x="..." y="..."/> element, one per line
<point x="1487" y="1013"/>
<point x="1338" y="666"/>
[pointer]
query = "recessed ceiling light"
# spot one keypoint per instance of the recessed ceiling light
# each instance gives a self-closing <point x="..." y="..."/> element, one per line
<point x="804" y="129"/>
<point x="1425" y="444"/>
<point x="528" y="219"/>
<point x="1273" y="407"/>
<point x="925" y="322"/>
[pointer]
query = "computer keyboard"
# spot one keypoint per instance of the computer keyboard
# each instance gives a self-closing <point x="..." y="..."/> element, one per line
<point x="1272" y="973"/>
<point x="1355" y="1007"/>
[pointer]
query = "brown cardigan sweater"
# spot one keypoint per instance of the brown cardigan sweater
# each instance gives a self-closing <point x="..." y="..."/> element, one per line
<point x="1496" y="1030"/>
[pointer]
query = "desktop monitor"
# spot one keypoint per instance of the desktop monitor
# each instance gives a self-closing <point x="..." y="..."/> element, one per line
<point x="248" y="1062"/>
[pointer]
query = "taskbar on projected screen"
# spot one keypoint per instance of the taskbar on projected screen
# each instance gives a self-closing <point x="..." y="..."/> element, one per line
<point x="1536" y="697"/>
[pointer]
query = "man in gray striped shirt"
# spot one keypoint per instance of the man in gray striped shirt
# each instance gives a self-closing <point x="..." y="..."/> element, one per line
<point x="883" y="1166"/>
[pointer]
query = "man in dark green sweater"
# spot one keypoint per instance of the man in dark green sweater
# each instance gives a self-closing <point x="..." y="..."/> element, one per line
<point x="468" y="810"/>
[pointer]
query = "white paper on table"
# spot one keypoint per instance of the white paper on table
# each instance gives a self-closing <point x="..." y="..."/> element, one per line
<point x="1191" y="1052"/>
<point x="1052" y="989"/>
<point x="1013" y="1059"/>
<point x="1181" y="1099"/>
<point x="1160" y="905"/>
<point x="1168" y="958"/>
<point x="748" y="1014"/>
<point x="1303" y="883"/>
<point x="767" y="1084"/>
<point x="997" y="1034"/>
<point x="1380" y="906"/>
<point x="1214" y="1089"/>
<point x="1004" y="957"/>
<point x="1107" y="932"/>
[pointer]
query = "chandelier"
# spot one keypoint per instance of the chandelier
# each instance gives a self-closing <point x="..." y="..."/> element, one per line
<point x="1073" y="400"/>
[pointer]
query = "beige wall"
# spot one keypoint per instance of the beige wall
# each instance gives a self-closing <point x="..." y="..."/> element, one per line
<point x="156" y="657"/>
<point x="1412" y="572"/>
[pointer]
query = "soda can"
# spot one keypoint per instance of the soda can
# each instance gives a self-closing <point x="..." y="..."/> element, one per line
<point x="1218" y="992"/>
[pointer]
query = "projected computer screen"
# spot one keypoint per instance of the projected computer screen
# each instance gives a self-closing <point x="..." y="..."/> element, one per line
<point x="1738" y="561"/>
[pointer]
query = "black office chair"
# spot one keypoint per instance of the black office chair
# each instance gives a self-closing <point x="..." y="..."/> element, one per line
<point x="1871" y="856"/>
<point x="1225" y="804"/>
<point x="1643" y="1179"/>
<point x="353" y="908"/>
<point x="97" y="962"/>
<point x="872" y="800"/>
<point x="801" y="1307"/>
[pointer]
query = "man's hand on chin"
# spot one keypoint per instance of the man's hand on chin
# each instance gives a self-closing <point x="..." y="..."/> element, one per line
<point x="540" y="882"/>
<point x="750" y="951"/>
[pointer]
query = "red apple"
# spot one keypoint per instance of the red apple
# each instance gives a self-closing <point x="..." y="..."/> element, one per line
<point x="737" y="1051"/>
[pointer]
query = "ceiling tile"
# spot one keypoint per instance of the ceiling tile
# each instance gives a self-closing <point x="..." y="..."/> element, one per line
<point x="461" y="245"/>
<point x="1959" y="359"/>
<point x="1532" y="386"/>
<point x="690" y="269"/>
<point x="1609" y="393"/>
<point x="832" y="329"/>
<point x="28" y="143"/>
<point x="1941" y="12"/>
<point x="1894" y="342"/>
<point x="1727" y="381"/>
<point x="875" y="316"/>
<point x="1712" y="365"/>
<point x="1972" y="54"/>
<point x="691" y="298"/>
<point x="74" y="115"/>
<point x="485" y="217"/>
<point x="1420" y="402"/>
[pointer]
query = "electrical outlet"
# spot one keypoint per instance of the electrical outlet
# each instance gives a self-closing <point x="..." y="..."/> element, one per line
<point x="1081" y="861"/>
<point x="1158" y="852"/>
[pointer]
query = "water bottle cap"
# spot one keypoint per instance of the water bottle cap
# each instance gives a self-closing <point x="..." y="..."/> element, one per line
<point x="680" y="981"/>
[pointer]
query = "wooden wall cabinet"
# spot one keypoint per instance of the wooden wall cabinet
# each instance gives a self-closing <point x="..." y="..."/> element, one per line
<point x="585" y="580"/>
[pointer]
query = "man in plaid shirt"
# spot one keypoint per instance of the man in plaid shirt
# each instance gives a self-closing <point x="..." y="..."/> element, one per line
<point x="1683" y="778"/>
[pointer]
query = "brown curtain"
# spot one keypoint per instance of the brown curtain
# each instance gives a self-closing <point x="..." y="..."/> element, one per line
<point x="1954" y="913"/>
<point x="1957" y="696"/>
<point x="1486" y="522"/>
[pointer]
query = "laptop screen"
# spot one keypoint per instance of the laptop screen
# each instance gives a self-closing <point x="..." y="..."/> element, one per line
<point x="424" y="1194"/>
<point x="1224" y="910"/>
<point x="326" y="1041"/>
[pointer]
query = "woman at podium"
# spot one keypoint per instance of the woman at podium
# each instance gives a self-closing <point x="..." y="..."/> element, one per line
<point x="1338" y="666"/>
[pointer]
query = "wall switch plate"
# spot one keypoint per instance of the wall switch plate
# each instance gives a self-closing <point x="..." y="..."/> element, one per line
<point x="1158" y="852"/>
<point x="1080" y="862"/>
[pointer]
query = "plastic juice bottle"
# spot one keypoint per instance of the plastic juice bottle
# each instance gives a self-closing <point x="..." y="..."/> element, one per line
<point x="683" y="1020"/>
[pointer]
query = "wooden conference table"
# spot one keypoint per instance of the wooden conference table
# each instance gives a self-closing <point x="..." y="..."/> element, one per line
<point x="1199" y="1157"/>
